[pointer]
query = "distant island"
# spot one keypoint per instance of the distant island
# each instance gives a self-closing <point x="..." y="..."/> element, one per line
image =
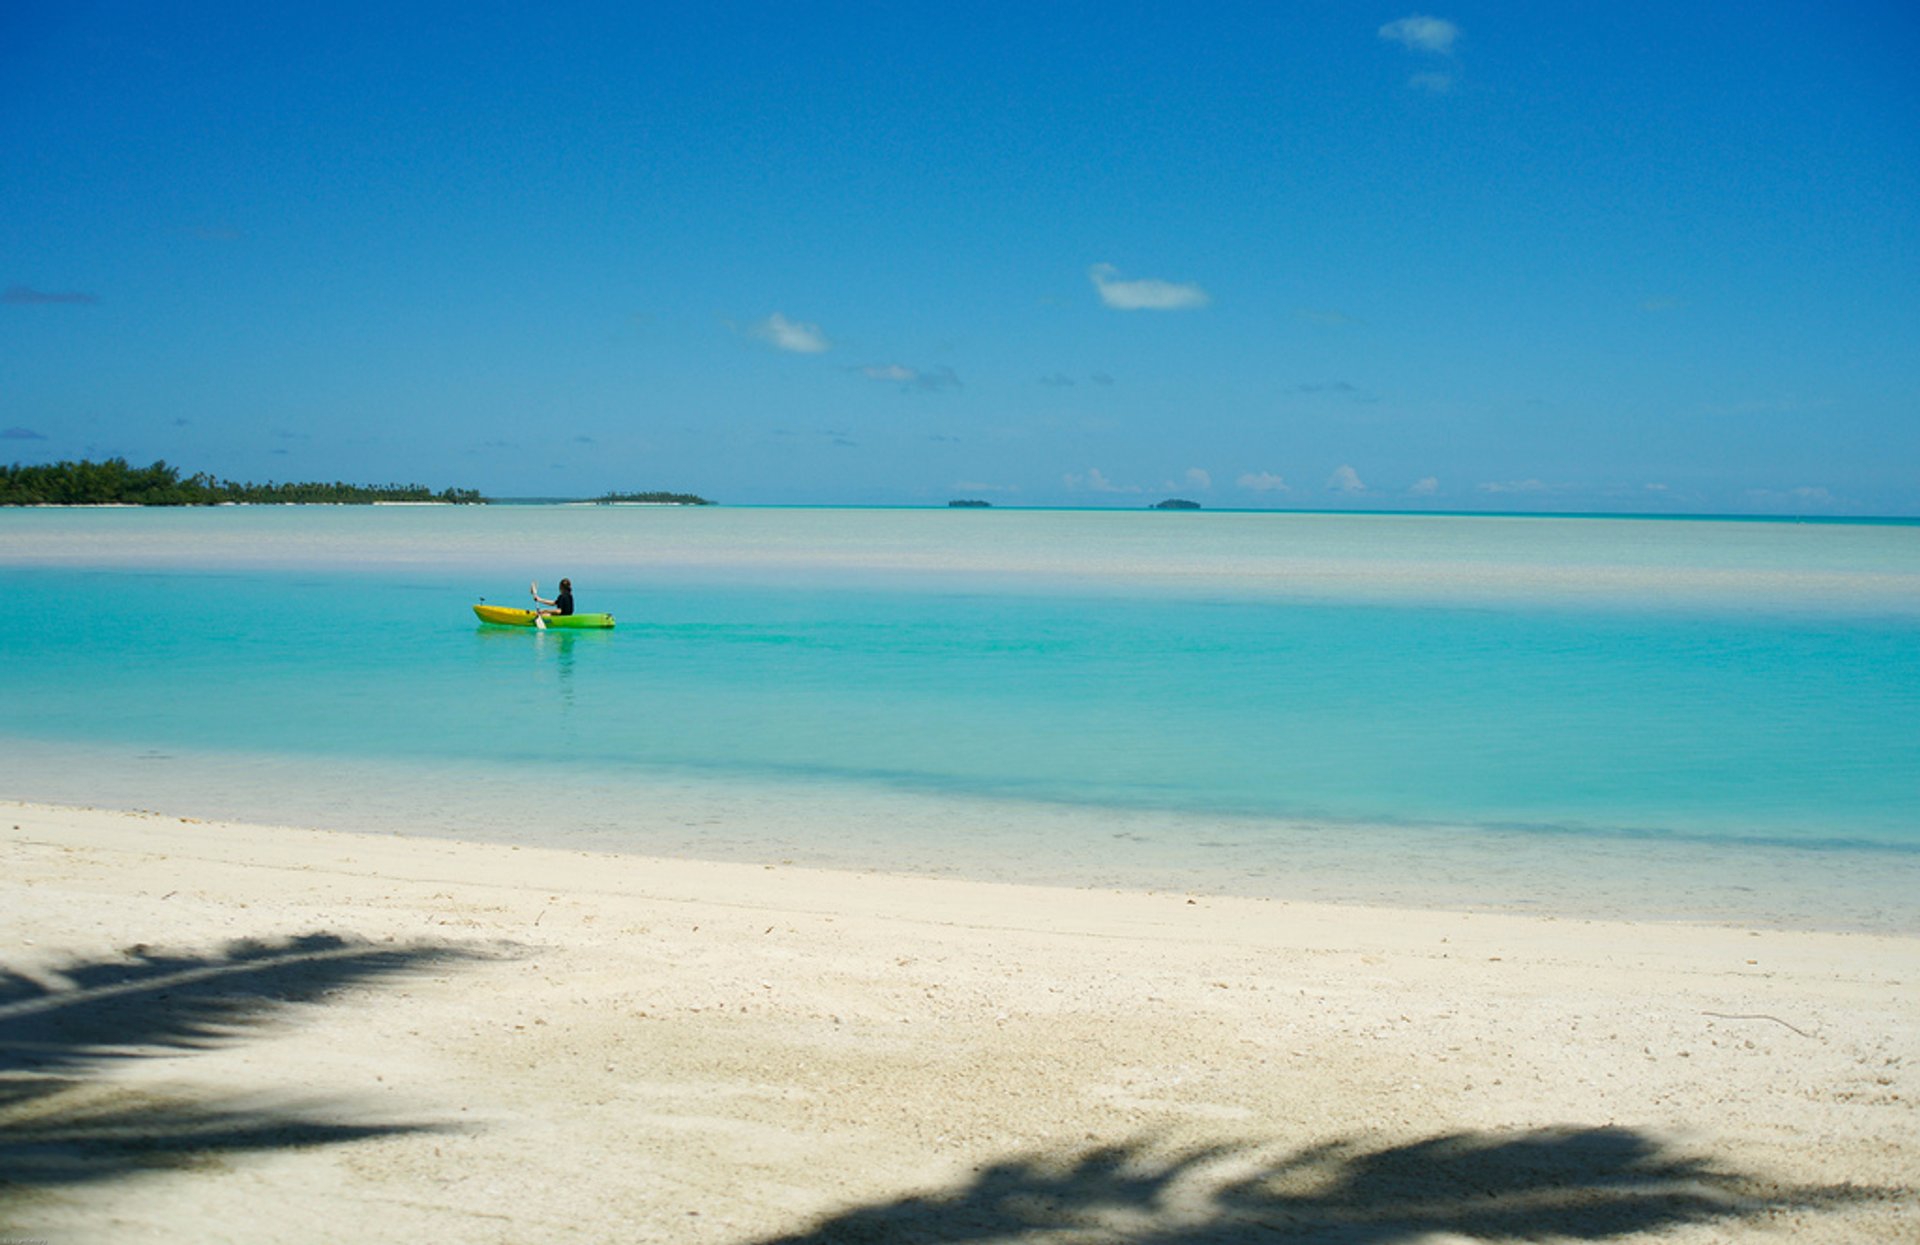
<point x="1176" y="503"/>
<point x="652" y="499"/>
<point x="969" y="503"/>
<point x="114" y="483"/>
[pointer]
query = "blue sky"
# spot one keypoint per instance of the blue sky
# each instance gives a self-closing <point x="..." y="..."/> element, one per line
<point x="1481" y="256"/>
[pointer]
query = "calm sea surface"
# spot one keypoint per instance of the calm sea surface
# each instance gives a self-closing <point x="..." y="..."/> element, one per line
<point x="1683" y="718"/>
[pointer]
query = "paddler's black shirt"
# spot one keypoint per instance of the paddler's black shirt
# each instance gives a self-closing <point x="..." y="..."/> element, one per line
<point x="564" y="602"/>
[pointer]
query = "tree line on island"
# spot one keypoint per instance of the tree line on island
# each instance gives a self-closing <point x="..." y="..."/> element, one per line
<point x="116" y="483"/>
<point x="651" y="499"/>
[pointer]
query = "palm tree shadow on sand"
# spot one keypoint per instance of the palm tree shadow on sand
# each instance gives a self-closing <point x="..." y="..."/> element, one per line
<point x="1554" y="1184"/>
<point x="63" y="1122"/>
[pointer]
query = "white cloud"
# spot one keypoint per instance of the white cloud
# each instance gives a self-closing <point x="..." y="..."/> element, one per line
<point x="786" y="334"/>
<point x="1096" y="482"/>
<point x="1422" y="34"/>
<point x="1198" y="478"/>
<point x="1513" y="486"/>
<point x="1425" y="487"/>
<point x="1345" y="480"/>
<point x="1145" y="294"/>
<point x="912" y="377"/>
<point x="977" y="486"/>
<point x="1262" y="482"/>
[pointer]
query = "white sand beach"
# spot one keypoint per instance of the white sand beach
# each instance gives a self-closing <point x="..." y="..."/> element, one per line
<point x="218" y="1032"/>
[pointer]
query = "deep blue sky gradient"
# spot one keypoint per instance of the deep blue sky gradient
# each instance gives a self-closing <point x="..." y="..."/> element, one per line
<point x="1623" y="257"/>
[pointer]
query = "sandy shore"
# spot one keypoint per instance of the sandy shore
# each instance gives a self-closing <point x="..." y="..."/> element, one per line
<point x="216" y="1032"/>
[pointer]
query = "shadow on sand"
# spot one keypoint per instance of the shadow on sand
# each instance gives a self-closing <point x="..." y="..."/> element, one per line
<point x="1574" y="1184"/>
<point x="63" y="1122"/>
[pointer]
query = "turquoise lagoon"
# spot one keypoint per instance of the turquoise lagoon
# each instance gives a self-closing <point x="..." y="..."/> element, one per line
<point x="1710" y="719"/>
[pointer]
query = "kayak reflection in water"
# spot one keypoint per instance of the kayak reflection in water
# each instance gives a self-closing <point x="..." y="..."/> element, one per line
<point x="562" y="602"/>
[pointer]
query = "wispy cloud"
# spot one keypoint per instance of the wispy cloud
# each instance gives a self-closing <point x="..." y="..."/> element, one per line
<point x="1058" y="380"/>
<point x="1422" y="34"/>
<point x="1433" y="36"/>
<point x="1101" y="378"/>
<point x="937" y="380"/>
<point x="912" y="378"/>
<point x="1515" y="486"/>
<point x="1196" y="478"/>
<point x="784" y="334"/>
<point x="21" y="434"/>
<point x="1095" y="481"/>
<point x="1263" y="482"/>
<point x="977" y="486"/>
<point x="1146" y="293"/>
<point x="1427" y="486"/>
<point x="26" y="296"/>
<point x="1345" y="480"/>
<point x="813" y="436"/>
<point x="1804" y="495"/>
<point x="1660" y="303"/>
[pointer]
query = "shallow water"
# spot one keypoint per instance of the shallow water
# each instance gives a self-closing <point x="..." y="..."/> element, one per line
<point x="1255" y="699"/>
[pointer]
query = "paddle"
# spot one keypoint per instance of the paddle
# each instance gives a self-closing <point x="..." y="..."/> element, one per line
<point x="538" y="622"/>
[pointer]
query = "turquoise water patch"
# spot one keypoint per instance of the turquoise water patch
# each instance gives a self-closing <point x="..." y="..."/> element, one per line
<point x="1735" y="726"/>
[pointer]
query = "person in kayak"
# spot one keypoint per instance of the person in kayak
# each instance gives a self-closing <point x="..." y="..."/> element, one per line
<point x="562" y="602"/>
